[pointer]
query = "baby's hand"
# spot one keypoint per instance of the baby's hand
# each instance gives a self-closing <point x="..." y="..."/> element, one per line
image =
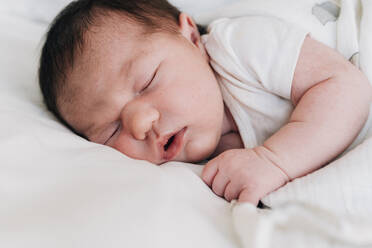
<point x="243" y="174"/>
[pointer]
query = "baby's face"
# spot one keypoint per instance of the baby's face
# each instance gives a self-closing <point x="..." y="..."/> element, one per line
<point x="152" y="98"/>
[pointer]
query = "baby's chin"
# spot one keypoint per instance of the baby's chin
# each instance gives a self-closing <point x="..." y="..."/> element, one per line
<point x="199" y="153"/>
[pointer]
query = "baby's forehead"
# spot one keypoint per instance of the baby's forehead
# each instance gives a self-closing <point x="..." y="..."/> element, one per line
<point x="109" y="45"/>
<point x="108" y="34"/>
<point x="103" y="44"/>
<point x="104" y="51"/>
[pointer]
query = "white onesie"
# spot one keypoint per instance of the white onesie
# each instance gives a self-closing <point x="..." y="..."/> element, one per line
<point x="254" y="59"/>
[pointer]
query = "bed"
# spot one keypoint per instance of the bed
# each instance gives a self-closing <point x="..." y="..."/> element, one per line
<point x="59" y="190"/>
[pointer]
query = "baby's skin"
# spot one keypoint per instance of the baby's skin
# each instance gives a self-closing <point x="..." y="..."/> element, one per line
<point x="155" y="97"/>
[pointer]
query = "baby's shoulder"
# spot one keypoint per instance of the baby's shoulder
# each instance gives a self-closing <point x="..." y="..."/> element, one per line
<point x="248" y="32"/>
<point x="256" y="24"/>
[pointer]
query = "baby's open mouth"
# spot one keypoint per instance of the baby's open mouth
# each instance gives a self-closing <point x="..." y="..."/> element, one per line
<point x="173" y="145"/>
<point x="169" y="143"/>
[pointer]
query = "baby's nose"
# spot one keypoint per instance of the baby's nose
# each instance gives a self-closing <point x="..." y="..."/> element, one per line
<point x="142" y="122"/>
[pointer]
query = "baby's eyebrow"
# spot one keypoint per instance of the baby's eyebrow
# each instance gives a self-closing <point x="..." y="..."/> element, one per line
<point x="93" y="130"/>
<point x="90" y="131"/>
<point x="96" y="135"/>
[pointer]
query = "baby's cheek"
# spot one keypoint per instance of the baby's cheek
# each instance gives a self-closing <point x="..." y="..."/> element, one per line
<point x="200" y="148"/>
<point x="127" y="147"/>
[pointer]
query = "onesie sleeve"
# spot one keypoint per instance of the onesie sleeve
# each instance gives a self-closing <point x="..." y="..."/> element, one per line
<point x="261" y="51"/>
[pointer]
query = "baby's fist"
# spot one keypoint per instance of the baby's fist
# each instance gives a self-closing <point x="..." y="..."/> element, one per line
<point x="243" y="174"/>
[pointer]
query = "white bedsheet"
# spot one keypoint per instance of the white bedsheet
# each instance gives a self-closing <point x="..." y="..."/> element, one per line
<point x="58" y="190"/>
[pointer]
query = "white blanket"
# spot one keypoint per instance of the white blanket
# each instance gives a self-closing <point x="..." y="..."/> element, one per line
<point x="58" y="190"/>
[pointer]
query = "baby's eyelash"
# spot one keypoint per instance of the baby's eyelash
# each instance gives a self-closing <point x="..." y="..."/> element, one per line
<point x="147" y="85"/>
<point x="113" y="134"/>
<point x="150" y="81"/>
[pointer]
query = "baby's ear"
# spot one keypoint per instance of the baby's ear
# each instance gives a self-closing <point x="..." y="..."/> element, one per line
<point x="190" y="31"/>
<point x="188" y="28"/>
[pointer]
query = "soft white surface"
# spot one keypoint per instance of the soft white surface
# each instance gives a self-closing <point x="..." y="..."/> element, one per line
<point x="42" y="11"/>
<point x="296" y="225"/>
<point x="58" y="190"/>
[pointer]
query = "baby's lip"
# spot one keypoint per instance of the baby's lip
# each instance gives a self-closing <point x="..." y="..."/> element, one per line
<point x="174" y="148"/>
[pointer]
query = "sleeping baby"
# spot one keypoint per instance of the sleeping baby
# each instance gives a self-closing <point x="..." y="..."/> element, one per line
<point x="255" y="96"/>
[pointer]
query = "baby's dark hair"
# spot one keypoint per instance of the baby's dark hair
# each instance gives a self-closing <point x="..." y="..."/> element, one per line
<point x="65" y="38"/>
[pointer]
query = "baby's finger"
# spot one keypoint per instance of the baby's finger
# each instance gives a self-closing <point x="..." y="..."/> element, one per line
<point x="250" y="196"/>
<point x="209" y="172"/>
<point x="232" y="190"/>
<point x="219" y="183"/>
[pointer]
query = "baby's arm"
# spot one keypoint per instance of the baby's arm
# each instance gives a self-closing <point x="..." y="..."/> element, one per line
<point x="331" y="99"/>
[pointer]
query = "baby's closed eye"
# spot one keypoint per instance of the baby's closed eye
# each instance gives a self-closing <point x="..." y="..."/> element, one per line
<point x="113" y="134"/>
<point x="148" y="82"/>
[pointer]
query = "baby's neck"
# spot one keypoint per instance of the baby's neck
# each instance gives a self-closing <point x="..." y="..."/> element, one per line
<point x="228" y="141"/>
<point x="230" y="137"/>
<point x="228" y="124"/>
